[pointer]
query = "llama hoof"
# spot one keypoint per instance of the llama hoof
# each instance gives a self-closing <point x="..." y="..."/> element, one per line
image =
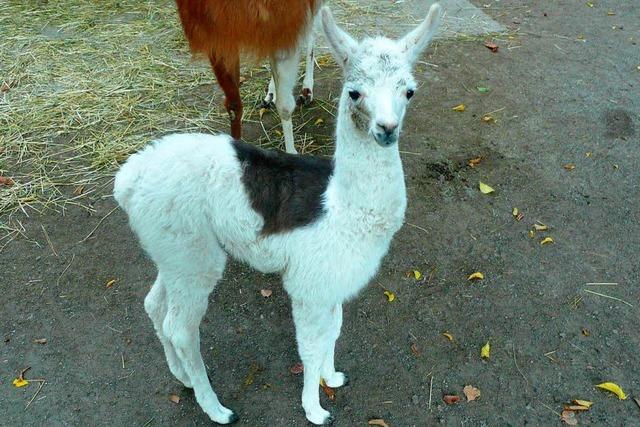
<point x="269" y="101"/>
<point x="233" y="418"/>
<point x="320" y="417"/>
<point x="224" y="416"/>
<point x="337" y="379"/>
<point x="305" y="97"/>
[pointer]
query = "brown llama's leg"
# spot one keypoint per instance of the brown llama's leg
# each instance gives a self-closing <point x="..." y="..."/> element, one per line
<point x="228" y="75"/>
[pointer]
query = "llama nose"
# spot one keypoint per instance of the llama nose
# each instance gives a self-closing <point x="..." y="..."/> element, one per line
<point x="387" y="127"/>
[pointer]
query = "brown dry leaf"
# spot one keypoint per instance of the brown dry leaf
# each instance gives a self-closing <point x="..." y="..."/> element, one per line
<point x="331" y="394"/>
<point x="266" y="293"/>
<point x="569" y="417"/>
<point x="584" y="403"/>
<point x="451" y="399"/>
<point x="110" y="283"/>
<point x="491" y="45"/>
<point x="377" y="422"/>
<point x="569" y="166"/>
<point x="5" y="87"/>
<point x="448" y="336"/>
<point x="78" y="190"/>
<point x="174" y="398"/>
<point x="5" y="180"/>
<point x="576" y="408"/>
<point x="474" y="162"/>
<point x="459" y="108"/>
<point x="414" y="349"/>
<point x="297" y="369"/>
<point x="471" y="392"/>
<point x="42" y="341"/>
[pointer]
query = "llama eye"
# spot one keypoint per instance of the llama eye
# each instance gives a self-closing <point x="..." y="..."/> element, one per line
<point x="410" y="93"/>
<point x="354" y="94"/>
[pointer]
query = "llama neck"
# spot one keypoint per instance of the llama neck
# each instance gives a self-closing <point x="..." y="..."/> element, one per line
<point x="364" y="173"/>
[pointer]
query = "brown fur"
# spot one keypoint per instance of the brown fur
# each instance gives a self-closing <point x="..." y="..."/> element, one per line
<point x="224" y="29"/>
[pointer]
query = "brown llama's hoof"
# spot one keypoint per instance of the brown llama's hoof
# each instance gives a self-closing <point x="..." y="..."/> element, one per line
<point x="305" y="97"/>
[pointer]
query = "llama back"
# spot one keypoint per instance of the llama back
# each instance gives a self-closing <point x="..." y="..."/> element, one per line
<point x="257" y="27"/>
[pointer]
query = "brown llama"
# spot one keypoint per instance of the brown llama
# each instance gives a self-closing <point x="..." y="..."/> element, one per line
<point x="224" y="29"/>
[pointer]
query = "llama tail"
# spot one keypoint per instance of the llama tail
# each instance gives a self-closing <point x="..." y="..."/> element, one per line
<point x="125" y="181"/>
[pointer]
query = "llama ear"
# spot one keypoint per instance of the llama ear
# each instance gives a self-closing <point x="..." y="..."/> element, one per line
<point x="342" y="44"/>
<point x="414" y="43"/>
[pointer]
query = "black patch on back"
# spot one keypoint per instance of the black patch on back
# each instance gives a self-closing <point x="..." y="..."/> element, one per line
<point x="285" y="189"/>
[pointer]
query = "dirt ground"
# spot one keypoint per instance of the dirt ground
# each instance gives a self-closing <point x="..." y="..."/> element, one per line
<point x="564" y="89"/>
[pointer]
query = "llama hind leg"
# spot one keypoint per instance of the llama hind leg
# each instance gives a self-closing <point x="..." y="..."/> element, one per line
<point x="186" y="305"/>
<point x="155" y="305"/>
<point x="285" y="73"/>
<point x="270" y="99"/>
<point x="306" y="95"/>
<point x="227" y="73"/>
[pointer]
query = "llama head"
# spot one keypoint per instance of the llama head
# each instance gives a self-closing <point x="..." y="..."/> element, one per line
<point x="378" y="83"/>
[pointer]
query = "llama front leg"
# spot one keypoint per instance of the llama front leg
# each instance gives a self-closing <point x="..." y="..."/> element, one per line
<point x="331" y="377"/>
<point x="313" y="335"/>
<point x="306" y="96"/>
<point x="285" y="71"/>
<point x="227" y="73"/>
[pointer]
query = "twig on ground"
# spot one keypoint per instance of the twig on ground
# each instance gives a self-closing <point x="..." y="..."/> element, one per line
<point x="46" y="236"/>
<point x="42" y="383"/>
<point x="609" y="296"/>
<point x="98" y="225"/>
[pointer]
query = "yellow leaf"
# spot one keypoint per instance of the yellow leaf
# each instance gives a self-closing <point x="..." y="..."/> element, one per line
<point x="110" y="283"/>
<point x="261" y="112"/>
<point x="278" y="133"/>
<point x="20" y="382"/>
<point x="532" y="234"/>
<point x="488" y="118"/>
<point x="611" y="13"/>
<point x="569" y="166"/>
<point x="540" y="227"/>
<point x="390" y="296"/>
<point x="476" y="276"/>
<point x="585" y="403"/>
<point x="417" y="275"/>
<point x="318" y="122"/>
<point x="546" y="240"/>
<point x="460" y="108"/>
<point x="448" y="336"/>
<point x="590" y="4"/>
<point x="613" y="388"/>
<point x="484" y="188"/>
<point x="486" y="349"/>
<point x="515" y="212"/>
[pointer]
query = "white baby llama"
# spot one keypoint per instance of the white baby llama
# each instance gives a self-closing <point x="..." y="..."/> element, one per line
<point x="194" y="199"/>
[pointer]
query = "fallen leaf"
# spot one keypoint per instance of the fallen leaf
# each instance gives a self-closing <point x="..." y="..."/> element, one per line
<point x="586" y="332"/>
<point x="517" y="214"/>
<point x="377" y="422"/>
<point x="471" y="392"/>
<point x="20" y="382"/>
<point x="635" y="399"/>
<point x="5" y="87"/>
<point x="78" y="190"/>
<point x="488" y="118"/>
<point x="474" y="162"/>
<point x="40" y="341"/>
<point x="174" y="398"/>
<point x="390" y="296"/>
<point x="569" y="166"/>
<point x="546" y="240"/>
<point x="588" y="154"/>
<point x="476" y="276"/>
<point x="515" y="211"/>
<point x="417" y="275"/>
<point x="569" y="417"/>
<point x="279" y="133"/>
<point x="576" y="408"/>
<point x="484" y="188"/>
<point x="318" y="122"/>
<point x="482" y="89"/>
<point x="5" y="180"/>
<point x="485" y="351"/>
<point x="451" y="399"/>
<point x="414" y="349"/>
<point x="459" y="108"/>
<point x="266" y="292"/>
<point x="331" y="394"/>
<point x="613" y="388"/>
<point x="611" y="13"/>
<point x="580" y="37"/>
<point x="110" y="283"/>
<point x="262" y="111"/>
<point x="585" y="403"/>
<point x="532" y="234"/>
<point x="540" y="227"/>
<point x="448" y="336"/>
<point x="590" y="4"/>
<point x="297" y="369"/>
<point x="491" y="45"/>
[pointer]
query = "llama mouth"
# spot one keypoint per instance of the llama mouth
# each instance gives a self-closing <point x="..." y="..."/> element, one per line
<point x="385" y="140"/>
